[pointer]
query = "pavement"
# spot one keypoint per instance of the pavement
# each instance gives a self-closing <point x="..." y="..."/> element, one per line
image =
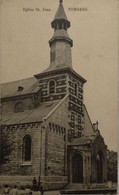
<point x="52" y="193"/>
<point x="23" y="192"/>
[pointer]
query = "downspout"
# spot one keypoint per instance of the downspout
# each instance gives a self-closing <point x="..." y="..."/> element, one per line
<point x="41" y="154"/>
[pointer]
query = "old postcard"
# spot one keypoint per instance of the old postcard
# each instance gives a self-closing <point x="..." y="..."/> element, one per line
<point x="59" y="81"/>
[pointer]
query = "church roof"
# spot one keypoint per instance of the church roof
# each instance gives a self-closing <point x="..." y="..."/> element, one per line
<point x="29" y="116"/>
<point x="60" y="14"/>
<point x="20" y="87"/>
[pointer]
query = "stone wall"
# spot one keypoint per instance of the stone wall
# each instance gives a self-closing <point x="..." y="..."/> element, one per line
<point x="57" y="140"/>
<point x="60" y="54"/>
<point x="16" y="165"/>
<point x="99" y="146"/>
<point x="49" y="149"/>
<point x="56" y="148"/>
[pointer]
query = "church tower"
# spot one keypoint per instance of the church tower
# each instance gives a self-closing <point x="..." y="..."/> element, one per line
<point x="59" y="79"/>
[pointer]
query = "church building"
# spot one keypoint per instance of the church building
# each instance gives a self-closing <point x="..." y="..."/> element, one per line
<point x="47" y="123"/>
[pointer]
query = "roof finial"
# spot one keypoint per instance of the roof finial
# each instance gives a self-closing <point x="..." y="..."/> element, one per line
<point x="97" y="124"/>
<point x="61" y="1"/>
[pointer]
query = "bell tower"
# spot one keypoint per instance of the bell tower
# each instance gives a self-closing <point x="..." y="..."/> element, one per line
<point x="59" y="79"/>
<point x="60" y="43"/>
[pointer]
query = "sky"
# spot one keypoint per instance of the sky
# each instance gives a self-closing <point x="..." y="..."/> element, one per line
<point x="24" y="35"/>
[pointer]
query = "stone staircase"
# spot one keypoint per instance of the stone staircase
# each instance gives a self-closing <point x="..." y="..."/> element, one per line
<point x="99" y="185"/>
<point x="78" y="186"/>
<point x="95" y="188"/>
<point x="75" y="186"/>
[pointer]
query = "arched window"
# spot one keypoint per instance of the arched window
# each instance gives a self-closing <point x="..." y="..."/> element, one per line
<point x="64" y="26"/>
<point x="75" y="89"/>
<point x="27" y="148"/>
<point x="52" y="87"/>
<point x="19" y="107"/>
<point x="56" y="27"/>
<point x="60" y="25"/>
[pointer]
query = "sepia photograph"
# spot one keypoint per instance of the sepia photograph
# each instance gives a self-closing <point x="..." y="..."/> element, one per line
<point x="58" y="97"/>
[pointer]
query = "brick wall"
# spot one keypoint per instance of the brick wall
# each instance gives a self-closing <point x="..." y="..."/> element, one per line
<point x="60" y="90"/>
<point x="75" y="106"/>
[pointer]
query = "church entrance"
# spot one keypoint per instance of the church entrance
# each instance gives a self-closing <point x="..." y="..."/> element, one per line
<point x="99" y="167"/>
<point x="77" y="169"/>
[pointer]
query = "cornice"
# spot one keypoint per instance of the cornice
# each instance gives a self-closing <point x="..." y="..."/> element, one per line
<point x="22" y="125"/>
<point x="60" y="71"/>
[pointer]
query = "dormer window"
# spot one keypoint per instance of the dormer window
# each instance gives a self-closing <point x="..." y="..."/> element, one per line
<point x="19" y="107"/>
<point x="20" y="88"/>
<point x="52" y="87"/>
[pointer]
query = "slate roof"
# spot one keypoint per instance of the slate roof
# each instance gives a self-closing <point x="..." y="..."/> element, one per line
<point x="10" y="89"/>
<point x="60" y="14"/>
<point x="29" y="116"/>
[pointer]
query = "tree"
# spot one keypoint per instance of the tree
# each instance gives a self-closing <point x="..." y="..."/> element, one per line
<point x="111" y="166"/>
<point x="6" y="146"/>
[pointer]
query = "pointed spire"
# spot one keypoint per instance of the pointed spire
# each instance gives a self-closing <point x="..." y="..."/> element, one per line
<point x="60" y="25"/>
<point x="60" y="43"/>
<point x="60" y="15"/>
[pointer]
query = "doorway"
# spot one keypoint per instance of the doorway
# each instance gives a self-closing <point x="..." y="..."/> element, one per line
<point x="99" y="167"/>
<point x="77" y="169"/>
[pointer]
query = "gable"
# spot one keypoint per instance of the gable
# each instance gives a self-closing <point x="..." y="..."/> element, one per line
<point x="99" y="145"/>
<point x="88" y="127"/>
